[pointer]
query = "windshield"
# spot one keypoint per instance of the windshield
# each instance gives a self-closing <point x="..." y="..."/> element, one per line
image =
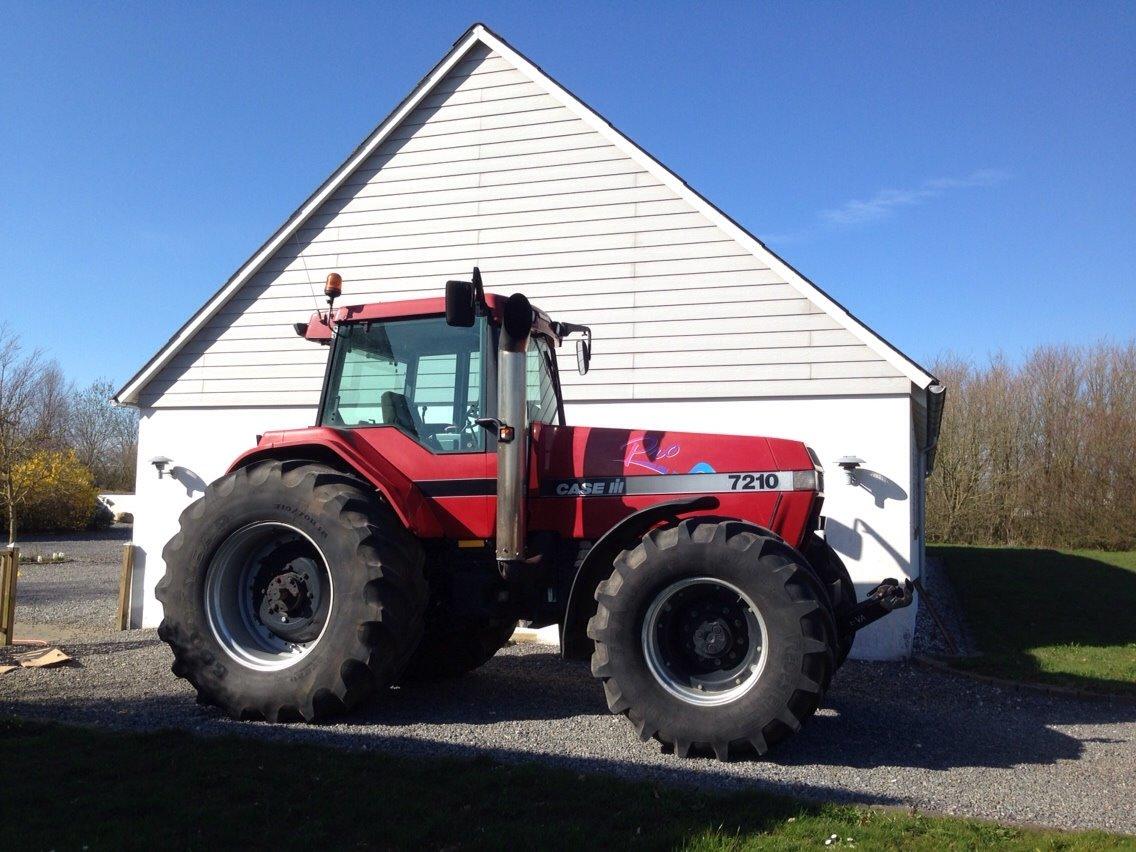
<point x="418" y="375"/>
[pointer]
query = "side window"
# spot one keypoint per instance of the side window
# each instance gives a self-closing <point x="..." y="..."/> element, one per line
<point x="474" y="405"/>
<point x="420" y="376"/>
<point x="365" y="377"/>
<point x="435" y="388"/>
<point x="539" y="387"/>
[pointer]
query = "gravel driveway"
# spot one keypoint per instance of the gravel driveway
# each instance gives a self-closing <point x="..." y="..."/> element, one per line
<point x="889" y="733"/>
<point x="70" y="601"/>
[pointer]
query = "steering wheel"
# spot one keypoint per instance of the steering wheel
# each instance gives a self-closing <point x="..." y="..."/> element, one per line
<point x="467" y="432"/>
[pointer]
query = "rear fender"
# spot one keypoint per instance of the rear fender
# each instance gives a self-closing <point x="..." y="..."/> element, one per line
<point x="336" y="451"/>
<point x="597" y="565"/>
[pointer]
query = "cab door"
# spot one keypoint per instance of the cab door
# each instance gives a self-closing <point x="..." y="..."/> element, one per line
<point x="411" y="390"/>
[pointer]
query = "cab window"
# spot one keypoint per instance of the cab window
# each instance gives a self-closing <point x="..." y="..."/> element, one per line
<point x="540" y="387"/>
<point x="420" y="376"/>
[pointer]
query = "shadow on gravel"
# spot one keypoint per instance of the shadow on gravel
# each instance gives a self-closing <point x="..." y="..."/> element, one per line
<point x="942" y="722"/>
<point x="876" y="715"/>
<point x="507" y="688"/>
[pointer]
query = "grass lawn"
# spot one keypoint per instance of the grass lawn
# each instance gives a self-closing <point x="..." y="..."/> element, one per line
<point x="1058" y="617"/>
<point x="69" y="788"/>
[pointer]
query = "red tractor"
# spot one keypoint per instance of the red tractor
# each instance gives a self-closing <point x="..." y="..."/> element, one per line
<point x="441" y="498"/>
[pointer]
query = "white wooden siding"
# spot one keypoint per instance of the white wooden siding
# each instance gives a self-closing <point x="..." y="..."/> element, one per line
<point x="491" y="171"/>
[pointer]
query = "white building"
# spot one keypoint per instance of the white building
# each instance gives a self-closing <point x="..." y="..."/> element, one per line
<point x="698" y="326"/>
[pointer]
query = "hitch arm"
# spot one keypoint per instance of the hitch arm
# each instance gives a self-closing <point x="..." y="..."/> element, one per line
<point x="887" y="596"/>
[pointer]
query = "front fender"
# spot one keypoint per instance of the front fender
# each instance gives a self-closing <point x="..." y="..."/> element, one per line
<point x="574" y="642"/>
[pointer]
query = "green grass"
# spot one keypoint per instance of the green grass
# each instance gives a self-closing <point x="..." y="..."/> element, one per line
<point x="69" y="788"/>
<point x="1066" y="618"/>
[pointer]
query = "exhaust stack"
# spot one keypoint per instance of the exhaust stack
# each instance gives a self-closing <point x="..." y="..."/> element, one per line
<point x="512" y="410"/>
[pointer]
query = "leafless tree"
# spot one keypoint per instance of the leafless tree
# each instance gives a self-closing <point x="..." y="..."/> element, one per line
<point x="50" y="408"/>
<point x="25" y="419"/>
<point x="1042" y="453"/>
<point x="104" y="436"/>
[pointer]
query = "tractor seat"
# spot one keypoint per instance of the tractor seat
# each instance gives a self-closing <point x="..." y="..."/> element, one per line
<point x="397" y="411"/>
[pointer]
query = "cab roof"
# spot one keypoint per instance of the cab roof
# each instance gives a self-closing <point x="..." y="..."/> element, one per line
<point x="319" y="329"/>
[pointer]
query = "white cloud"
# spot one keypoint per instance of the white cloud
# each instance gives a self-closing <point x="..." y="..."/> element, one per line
<point x="886" y="201"/>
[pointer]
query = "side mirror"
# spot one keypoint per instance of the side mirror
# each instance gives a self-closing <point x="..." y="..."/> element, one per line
<point x="460" y="306"/>
<point x="583" y="356"/>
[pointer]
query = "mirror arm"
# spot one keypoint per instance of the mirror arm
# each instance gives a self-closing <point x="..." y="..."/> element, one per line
<point x="563" y="329"/>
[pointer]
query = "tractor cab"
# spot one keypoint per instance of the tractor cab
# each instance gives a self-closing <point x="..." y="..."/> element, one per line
<point x="406" y="366"/>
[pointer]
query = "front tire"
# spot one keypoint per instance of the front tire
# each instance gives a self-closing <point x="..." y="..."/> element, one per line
<point x="676" y="606"/>
<point x="834" y="576"/>
<point x="291" y="592"/>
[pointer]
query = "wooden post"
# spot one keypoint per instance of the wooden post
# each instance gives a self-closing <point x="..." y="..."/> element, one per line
<point x="9" y="571"/>
<point x="125" y="582"/>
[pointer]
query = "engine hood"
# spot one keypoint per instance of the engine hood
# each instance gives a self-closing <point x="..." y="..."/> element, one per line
<point x="564" y="452"/>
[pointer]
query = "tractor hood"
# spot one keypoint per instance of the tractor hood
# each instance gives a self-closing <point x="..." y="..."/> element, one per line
<point x="587" y="479"/>
<point x="565" y="454"/>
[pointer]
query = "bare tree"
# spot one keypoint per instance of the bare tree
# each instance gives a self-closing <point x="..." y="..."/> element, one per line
<point x="104" y="436"/>
<point x="50" y="408"/>
<point x="1042" y="453"/>
<point x="23" y="418"/>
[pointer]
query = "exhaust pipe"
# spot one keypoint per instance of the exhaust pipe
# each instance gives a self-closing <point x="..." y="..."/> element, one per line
<point x="512" y="409"/>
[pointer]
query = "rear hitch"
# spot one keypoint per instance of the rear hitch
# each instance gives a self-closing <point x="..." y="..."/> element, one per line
<point x="887" y="596"/>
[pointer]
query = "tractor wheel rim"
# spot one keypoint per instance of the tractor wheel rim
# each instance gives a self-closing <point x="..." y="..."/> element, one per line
<point x="704" y="641"/>
<point x="243" y="603"/>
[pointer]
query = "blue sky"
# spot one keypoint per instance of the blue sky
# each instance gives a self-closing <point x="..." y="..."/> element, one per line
<point x="960" y="176"/>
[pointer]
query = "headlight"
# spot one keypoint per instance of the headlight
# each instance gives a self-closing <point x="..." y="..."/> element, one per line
<point x="806" y="480"/>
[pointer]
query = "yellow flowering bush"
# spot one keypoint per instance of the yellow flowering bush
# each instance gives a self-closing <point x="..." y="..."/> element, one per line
<point x="57" y="490"/>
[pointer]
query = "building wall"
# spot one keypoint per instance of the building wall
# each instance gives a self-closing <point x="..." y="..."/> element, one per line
<point x="490" y="170"/>
<point x="869" y="524"/>
<point x="201" y="443"/>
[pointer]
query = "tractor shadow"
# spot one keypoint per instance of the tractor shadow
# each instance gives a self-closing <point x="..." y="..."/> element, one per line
<point x="533" y="686"/>
<point x="898" y="715"/>
<point x="875" y="714"/>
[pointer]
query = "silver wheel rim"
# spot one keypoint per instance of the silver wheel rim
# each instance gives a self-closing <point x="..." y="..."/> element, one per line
<point x="231" y="609"/>
<point x="674" y="644"/>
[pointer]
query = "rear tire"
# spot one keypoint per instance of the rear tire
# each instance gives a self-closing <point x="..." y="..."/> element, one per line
<point x="355" y="605"/>
<point x="444" y="654"/>
<point x="688" y="593"/>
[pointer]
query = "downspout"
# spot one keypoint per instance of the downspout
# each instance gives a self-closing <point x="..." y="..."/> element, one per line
<point x="936" y="399"/>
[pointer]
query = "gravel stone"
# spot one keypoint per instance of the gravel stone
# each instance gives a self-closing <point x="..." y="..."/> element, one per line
<point x="888" y="733"/>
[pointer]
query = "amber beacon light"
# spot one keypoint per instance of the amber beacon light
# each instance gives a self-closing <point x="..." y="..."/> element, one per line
<point x="333" y="288"/>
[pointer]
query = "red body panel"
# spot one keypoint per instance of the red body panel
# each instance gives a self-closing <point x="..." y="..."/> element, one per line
<point x="394" y="463"/>
<point x="451" y="495"/>
<point x="578" y="452"/>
